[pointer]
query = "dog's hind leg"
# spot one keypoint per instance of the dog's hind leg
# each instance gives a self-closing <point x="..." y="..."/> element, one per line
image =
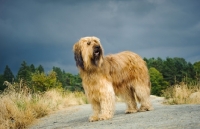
<point x="143" y="96"/>
<point x="129" y="98"/>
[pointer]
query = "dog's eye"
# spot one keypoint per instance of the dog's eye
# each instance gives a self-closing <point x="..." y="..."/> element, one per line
<point x="95" y="41"/>
<point x="88" y="43"/>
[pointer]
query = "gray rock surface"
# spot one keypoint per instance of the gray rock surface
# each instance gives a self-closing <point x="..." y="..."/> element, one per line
<point x="162" y="117"/>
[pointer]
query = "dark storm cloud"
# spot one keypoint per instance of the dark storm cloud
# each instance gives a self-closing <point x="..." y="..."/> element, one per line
<point x="43" y="32"/>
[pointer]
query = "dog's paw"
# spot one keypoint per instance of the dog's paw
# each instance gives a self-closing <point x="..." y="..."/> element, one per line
<point x="93" y="118"/>
<point x="144" y="109"/>
<point x="129" y="111"/>
<point x="104" y="117"/>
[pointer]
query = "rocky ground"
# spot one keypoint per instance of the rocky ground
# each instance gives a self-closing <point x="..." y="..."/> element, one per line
<point x="162" y="117"/>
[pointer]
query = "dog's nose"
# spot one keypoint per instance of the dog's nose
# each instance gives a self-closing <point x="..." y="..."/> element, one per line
<point x="97" y="47"/>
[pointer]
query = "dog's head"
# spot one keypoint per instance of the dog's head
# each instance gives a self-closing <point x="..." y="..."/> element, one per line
<point x="88" y="53"/>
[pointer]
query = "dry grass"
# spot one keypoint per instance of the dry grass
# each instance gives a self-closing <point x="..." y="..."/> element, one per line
<point x="18" y="109"/>
<point x="183" y="94"/>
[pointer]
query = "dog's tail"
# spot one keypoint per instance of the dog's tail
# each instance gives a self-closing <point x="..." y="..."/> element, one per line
<point x="150" y="86"/>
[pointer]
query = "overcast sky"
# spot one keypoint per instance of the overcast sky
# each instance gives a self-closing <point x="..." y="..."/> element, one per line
<point x="44" y="31"/>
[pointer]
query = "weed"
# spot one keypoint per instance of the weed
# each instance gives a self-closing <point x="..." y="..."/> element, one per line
<point x="19" y="107"/>
<point x="183" y="94"/>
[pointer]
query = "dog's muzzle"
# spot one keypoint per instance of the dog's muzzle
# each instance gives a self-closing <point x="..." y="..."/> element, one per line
<point x="97" y="51"/>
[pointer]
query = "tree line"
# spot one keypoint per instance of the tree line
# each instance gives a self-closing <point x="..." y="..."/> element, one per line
<point x="171" y="71"/>
<point x="163" y="73"/>
<point x="37" y="80"/>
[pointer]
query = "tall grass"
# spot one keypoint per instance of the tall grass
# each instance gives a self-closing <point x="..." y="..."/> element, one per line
<point x="183" y="94"/>
<point x="19" y="107"/>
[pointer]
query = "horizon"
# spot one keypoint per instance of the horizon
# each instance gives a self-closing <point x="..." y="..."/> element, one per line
<point x="43" y="32"/>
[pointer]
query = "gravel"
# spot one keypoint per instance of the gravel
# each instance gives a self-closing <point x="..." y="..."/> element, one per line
<point x="163" y="116"/>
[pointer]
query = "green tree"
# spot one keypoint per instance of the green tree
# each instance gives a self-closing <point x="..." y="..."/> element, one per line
<point x="59" y="74"/>
<point x="181" y="68"/>
<point x="42" y="82"/>
<point x="78" y="83"/>
<point x="70" y="79"/>
<point x="196" y="66"/>
<point x="32" y="68"/>
<point x="8" y="75"/>
<point x="157" y="82"/>
<point x="175" y="70"/>
<point x="2" y="87"/>
<point x="169" y="71"/>
<point x="73" y="82"/>
<point x="189" y="73"/>
<point x="40" y="69"/>
<point x="156" y="63"/>
<point x="24" y="72"/>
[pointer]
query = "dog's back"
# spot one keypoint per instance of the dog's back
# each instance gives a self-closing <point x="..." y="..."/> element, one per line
<point x="127" y="69"/>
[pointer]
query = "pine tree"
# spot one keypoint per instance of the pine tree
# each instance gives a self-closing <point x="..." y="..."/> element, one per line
<point x="40" y="69"/>
<point x="32" y="68"/>
<point x="8" y="75"/>
<point x="59" y="74"/>
<point x="197" y="70"/>
<point x="156" y="63"/>
<point x="2" y="87"/>
<point x="24" y="72"/>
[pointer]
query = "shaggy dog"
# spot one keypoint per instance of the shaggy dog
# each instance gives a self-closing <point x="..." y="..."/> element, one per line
<point x="123" y="74"/>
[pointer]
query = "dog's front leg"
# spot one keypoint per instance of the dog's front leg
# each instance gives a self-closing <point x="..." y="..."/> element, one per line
<point x="107" y="103"/>
<point x="96" y="111"/>
<point x="107" y="110"/>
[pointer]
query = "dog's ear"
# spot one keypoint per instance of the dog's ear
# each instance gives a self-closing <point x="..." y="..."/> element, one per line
<point x="78" y="56"/>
